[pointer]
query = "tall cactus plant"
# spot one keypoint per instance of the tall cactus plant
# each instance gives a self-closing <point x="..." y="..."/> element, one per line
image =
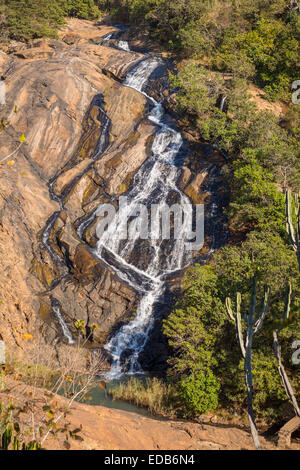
<point x="254" y="322"/>
<point x="293" y="231"/>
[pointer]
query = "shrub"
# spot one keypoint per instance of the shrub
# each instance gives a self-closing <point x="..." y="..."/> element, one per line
<point x="200" y="392"/>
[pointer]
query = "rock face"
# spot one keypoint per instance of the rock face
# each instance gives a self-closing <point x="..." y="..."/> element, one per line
<point x="108" y="428"/>
<point x="86" y="136"/>
<point x="98" y="297"/>
<point x="51" y="87"/>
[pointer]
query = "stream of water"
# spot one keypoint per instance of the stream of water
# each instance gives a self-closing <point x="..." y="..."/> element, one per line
<point x="143" y="264"/>
<point x="154" y="183"/>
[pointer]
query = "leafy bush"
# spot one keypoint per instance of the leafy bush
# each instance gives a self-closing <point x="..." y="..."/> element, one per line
<point x="200" y="392"/>
<point x="85" y="9"/>
<point x="256" y="200"/>
<point x="201" y="336"/>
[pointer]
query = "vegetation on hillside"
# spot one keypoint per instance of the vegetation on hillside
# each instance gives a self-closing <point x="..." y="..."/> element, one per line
<point x="23" y="20"/>
<point x="222" y="46"/>
<point x="260" y="38"/>
<point x="247" y="42"/>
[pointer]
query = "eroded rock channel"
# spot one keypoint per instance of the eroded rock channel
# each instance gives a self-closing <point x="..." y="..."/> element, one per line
<point x="93" y="113"/>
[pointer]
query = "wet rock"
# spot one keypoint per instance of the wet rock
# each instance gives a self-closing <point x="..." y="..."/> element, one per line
<point x="194" y="188"/>
<point x="69" y="98"/>
<point x="118" y="165"/>
<point x="95" y="295"/>
<point x="50" y="85"/>
<point x="154" y="357"/>
<point x="119" y="64"/>
<point x="69" y="176"/>
<point x="85" y="264"/>
<point x="158" y="84"/>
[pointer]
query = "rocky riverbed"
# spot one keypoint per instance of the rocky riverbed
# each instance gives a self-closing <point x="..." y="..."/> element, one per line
<point x="86" y="137"/>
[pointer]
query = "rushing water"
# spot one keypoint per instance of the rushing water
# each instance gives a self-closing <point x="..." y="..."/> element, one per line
<point x="124" y="45"/>
<point x="223" y="100"/>
<point x="143" y="264"/>
<point x="154" y="183"/>
<point x="67" y="333"/>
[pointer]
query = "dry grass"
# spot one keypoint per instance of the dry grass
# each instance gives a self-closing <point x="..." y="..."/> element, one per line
<point x="154" y="394"/>
<point x="68" y="370"/>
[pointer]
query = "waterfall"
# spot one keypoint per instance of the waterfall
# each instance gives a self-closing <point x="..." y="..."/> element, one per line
<point x="154" y="183"/>
<point x="2" y="92"/>
<point x="66" y="332"/>
<point x="224" y="98"/>
<point x="142" y="263"/>
<point x="124" y="45"/>
<point x="106" y="38"/>
<point x="139" y="75"/>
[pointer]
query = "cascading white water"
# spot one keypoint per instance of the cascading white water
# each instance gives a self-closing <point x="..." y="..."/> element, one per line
<point x="153" y="183"/>
<point x="106" y="38"/>
<point x="2" y="92"/>
<point x="66" y="332"/>
<point x="223" y="100"/>
<point x="139" y="75"/>
<point x="124" y="45"/>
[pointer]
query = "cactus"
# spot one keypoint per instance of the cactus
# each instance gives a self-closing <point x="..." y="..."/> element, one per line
<point x="293" y="232"/>
<point x="254" y="322"/>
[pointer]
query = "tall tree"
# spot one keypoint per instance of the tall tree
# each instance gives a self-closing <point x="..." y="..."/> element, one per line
<point x="254" y="322"/>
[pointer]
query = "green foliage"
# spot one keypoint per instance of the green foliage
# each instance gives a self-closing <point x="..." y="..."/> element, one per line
<point x="85" y="9"/>
<point x="263" y="254"/>
<point x="197" y="91"/>
<point x="292" y="121"/>
<point x="255" y="198"/>
<point x="269" y="398"/>
<point x="255" y="137"/>
<point x="193" y="327"/>
<point x="202" y="339"/>
<point x="200" y="392"/>
<point x="38" y="18"/>
<point x="23" y="20"/>
<point x="250" y="39"/>
<point x="10" y="431"/>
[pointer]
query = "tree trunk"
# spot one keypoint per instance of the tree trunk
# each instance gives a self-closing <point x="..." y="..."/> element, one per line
<point x="249" y="385"/>
<point x="287" y="385"/>
<point x="285" y="433"/>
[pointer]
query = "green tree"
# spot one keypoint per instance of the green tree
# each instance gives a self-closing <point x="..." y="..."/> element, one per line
<point x="200" y="392"/>
<point x="23" y="20"/>
<point x="256" y="200"/>
<point x="85" y="9"/>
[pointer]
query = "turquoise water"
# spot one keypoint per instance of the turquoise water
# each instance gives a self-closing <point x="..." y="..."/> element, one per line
<point x="99" y="397"/>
